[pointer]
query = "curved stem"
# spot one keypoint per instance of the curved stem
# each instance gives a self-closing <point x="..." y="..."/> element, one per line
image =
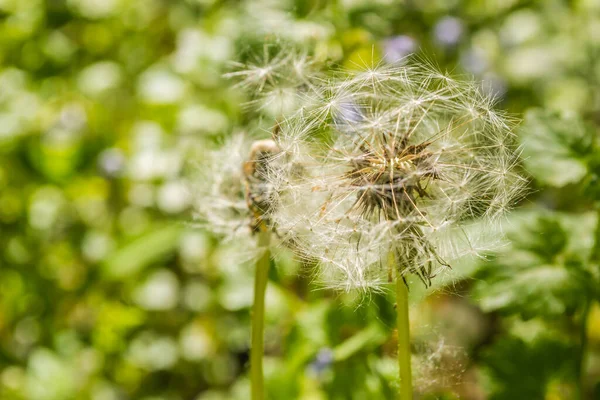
<point x="402" y="321"/>
<point x="258" y="317"/>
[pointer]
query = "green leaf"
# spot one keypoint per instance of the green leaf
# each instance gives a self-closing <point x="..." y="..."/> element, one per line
<point x="546" y="290"/>
<point x="143" y="251"/>
<point x="369" y="337"/>
<point x="556" y="147"/>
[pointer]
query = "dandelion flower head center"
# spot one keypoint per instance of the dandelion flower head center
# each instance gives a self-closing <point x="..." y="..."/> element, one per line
<point x="390" y="179"/>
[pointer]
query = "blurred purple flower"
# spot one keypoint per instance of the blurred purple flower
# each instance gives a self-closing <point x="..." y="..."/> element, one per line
<point x="448" y="31"/>
<point x="111" y="162"/>
<point x="474" y="61"/>
<point x="398" y="47"/>
<point x="322" y="361"/>
<point x="73" y="117"/>
<point x="347" y="115"/>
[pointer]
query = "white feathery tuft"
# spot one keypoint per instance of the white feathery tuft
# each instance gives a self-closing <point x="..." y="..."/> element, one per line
<point x="394" y="159"/>
<point x="219" y="189"/>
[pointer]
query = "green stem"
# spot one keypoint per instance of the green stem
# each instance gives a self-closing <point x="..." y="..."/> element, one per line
<point x="258" y="317"/>
<point x="583" y="340"/>
<point x="404" y="365"/>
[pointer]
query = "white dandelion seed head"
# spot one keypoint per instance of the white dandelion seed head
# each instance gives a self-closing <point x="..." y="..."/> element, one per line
<point x="233" y="189"/>
<point x="279" y="81"/>
<point x="219" y="189"/>
<point x="395" y="160"/>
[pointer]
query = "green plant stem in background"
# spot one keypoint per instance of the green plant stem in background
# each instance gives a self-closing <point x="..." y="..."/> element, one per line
<point x="402" y="321"/>
<point x="595" y="256"/>
<point x="258" y="317"/>
<point x="583" y="341"/>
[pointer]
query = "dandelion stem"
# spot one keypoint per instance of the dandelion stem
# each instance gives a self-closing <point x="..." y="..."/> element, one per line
<point x="258" y="317"/>
<point x="404" y="365"/>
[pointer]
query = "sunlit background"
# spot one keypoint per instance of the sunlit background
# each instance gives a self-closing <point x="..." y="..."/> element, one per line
<point x="110" y="291"/>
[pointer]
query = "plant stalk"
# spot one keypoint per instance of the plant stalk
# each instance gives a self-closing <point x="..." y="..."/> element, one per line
<point x="583" y="342"/>
<point x="404" y="364"/>
<point x="258" y="317"/>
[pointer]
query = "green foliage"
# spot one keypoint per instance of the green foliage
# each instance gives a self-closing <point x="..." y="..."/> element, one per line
<point x="558" y="149"/>
<point x="518" y="369"/>
<point x="544" y="270"/>
<point x="106" y="291"/>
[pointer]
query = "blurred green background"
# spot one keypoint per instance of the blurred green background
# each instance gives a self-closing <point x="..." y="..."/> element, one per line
<point x="108" y="291"/>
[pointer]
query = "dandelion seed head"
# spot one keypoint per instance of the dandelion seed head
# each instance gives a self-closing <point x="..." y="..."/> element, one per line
<point x="233" y="198"/>
<point x="278" y="81"/>
<point x="394" y="159"/>
<point x="219" y="189"/>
